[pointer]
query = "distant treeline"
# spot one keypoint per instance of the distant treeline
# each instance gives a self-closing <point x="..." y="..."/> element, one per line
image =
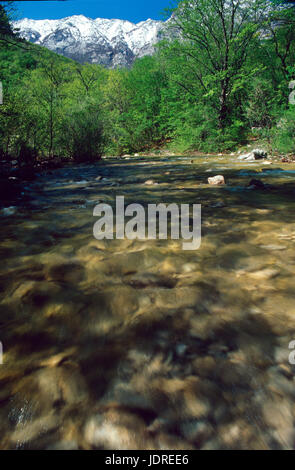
<point x="222" y="77"/>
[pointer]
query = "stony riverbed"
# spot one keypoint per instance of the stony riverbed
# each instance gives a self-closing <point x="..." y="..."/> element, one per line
<point x="121" y="344"/>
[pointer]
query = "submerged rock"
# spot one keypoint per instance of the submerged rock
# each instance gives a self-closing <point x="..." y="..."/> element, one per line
<point x="274" y="247"/>
<point x="116" y="429"/>
<point x="256" y="184"/>
<point x="72" y="272"/>
<point x="31" y="431"/>
<point x="264" y="274"/>
<point x="278" y="416"/>
<point x="142" y="281"/>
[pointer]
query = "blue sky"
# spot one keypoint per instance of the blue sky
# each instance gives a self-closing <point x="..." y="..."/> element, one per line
<point x="132" y="10"/>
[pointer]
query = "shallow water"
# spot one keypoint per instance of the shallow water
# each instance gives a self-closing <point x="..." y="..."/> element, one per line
<point x="121" y="344"/>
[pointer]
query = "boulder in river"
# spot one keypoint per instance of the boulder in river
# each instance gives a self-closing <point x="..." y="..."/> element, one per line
<point x="256" y="154"/>
<point x="216" y="180"/>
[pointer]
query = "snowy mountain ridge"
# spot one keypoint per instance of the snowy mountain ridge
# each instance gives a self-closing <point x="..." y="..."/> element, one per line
<point x="109" y="42"/>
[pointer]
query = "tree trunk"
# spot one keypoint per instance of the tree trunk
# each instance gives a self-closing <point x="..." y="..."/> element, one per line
<point x="223" y="109"/>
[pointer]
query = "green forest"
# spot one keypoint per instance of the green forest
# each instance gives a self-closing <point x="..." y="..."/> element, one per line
<point x="220" y="77"/>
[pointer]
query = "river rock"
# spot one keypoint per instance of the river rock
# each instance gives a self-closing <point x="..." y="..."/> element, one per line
<point x="144" y="280"/>
<point x="216" y="180"/>
<point x="256" y="154"/>
<point x="264" y="274"/>
<point x="204" y="366"/>
<point x="277" y="415"/>
<point x="47" y="390"/>
<point x="71" y="272"/>
<point x="274" y="247"/>
<point x="116" y="429"/>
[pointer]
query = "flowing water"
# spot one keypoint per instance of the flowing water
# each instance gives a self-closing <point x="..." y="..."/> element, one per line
<point x="129" y="344"/>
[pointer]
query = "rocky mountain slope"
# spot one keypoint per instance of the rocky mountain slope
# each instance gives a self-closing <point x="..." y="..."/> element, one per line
<point x="108" y="42"/>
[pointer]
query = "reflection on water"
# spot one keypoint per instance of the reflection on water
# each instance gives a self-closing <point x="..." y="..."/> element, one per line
<point x="123" y="344"/>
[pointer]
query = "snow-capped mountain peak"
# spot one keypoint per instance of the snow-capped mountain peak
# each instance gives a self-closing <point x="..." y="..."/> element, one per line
<point x="110" y="42"/>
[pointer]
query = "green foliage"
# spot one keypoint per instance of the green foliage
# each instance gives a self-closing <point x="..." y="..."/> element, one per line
<point x="208" y="90"/>
<point x="260" y="104"/>
<point x="83" y="136"/>
<point x="284" y="132"/>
